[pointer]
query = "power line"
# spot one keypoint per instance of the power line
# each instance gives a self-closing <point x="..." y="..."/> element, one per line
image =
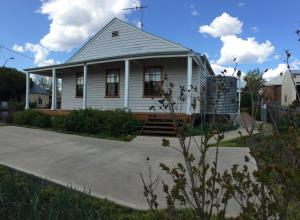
<point x="23" y="55"/>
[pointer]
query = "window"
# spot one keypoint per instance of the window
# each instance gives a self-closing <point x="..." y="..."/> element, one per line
<point x="112" y="83"/>
<point x="152" y="81"/>
<point x="115" y="33"/>
<point x="79" y="84"/>
<point x="40" y="100"/>
<point x="285" y="98"/>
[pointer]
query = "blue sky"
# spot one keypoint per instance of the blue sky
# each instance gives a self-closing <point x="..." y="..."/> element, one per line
<point x="25" y="26"/>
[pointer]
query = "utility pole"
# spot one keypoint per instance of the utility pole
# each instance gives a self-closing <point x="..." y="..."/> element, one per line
<point x="141" y="8"/>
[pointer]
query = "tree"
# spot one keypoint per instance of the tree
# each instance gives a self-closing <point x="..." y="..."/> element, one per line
<point x="12" y="84"/>
<point x="44" y="82"/>
<point x="268" y="192"/>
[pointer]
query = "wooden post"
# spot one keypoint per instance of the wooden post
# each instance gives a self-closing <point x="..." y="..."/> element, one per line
<point x="84" y="100"/>
<point x="189" y="85"/>
<point x="126" y="92"/>
<point x="54" y="88"/>
<point x="27" y="90"/>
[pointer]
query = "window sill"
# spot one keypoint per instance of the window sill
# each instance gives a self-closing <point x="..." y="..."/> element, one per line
<point x="152" y="96"/>
<point x="108" y="97"/>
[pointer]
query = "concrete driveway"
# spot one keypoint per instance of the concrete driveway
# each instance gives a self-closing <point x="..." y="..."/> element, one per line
<point x="110" y="169"/>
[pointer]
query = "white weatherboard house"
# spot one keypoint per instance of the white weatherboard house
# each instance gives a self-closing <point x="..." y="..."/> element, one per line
<point x="122" y="67"/>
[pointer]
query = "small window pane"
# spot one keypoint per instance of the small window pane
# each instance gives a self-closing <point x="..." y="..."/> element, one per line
<point x="79" y="84"/>
<point x="112" y="82"/>
<point x="152" y="81"/>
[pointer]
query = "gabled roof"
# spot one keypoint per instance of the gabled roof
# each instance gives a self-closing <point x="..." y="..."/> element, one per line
<point x="38" y="89"/>
<point x="131" y="41"/>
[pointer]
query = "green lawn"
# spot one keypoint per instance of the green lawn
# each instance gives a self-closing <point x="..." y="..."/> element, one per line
<point x="24" y="196"/>
<point x="202" y="129"/>
<point x="243" y="141"/>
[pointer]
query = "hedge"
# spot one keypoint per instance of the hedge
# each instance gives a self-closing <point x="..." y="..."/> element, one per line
<point x="112" y="123"/>
<point x="31" y="118"/>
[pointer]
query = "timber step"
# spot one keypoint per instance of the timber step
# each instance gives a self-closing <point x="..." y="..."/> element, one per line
<point x="159" y="133"/>
<point x="159" y="127"/>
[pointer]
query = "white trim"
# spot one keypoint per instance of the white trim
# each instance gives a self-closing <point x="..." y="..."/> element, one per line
<point x="107" y="61"/>
<point x="27" y="90"/>
<point x="126" y="92"/>
<point x="54" y="88"/>
<point x="136" y="58"/>
<point x="239" y="109"/>
<point x="189" y="85"/>
<point x="84" y="98"/>
<point x="56" y="67"/>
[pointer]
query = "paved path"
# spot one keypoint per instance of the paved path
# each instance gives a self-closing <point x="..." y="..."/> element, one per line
<point x="109" y="168"/>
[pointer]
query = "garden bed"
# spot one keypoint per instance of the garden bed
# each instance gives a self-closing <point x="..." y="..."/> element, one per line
<point x="116" y="125"/>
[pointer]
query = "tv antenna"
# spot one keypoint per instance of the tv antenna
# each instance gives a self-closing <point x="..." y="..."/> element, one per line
<point x="141" y="9"/>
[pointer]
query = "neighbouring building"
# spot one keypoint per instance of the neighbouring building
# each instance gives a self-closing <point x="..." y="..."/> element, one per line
<point x="272" y="90"/>
<point x="39" y="96"/>
<point x="288" y="90"/>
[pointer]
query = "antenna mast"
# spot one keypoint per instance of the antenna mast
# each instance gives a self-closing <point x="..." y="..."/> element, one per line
<point x="141" y="8"/>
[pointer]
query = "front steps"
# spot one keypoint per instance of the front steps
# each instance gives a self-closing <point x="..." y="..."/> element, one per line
<point x="159" y="126"/>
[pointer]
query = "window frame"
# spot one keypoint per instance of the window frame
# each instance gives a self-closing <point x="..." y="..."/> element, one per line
<point x="118" y="87"/>
<point x="144" y="73"/>
<point x="40" y="100"/>
<point x="79" y="75"/>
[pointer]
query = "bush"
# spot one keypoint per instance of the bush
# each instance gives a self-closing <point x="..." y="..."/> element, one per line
<point x="246" y="100"/>
<point x="31" y="118"/>
<point x="58" y="122"/>
<point x="15" y="106"/>
<point x="117" y="123"/>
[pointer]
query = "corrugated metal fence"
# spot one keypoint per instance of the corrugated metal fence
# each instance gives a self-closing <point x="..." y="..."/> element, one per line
<point x="276" y="112"/>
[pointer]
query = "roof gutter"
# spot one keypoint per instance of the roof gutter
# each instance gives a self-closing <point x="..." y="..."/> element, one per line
<point x="110" y="59"/>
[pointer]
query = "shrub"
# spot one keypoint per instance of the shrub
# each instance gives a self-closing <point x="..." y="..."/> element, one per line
<point x="246" y="100"/>
<point x="117" y="123"/>
<point x="15" y="106"/>
<point x="31" y="118"/>
<point x="58" y="122"/>
<point x="42" y="121"/>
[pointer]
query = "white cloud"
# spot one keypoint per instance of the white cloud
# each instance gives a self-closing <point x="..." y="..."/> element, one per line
<point x="241" y="4"/>
<point x="246" y="51"/>
<point x="222" y="26"/>
<point x="193" y="9"/>
<point x="254" y="29"/>
<point x="295" y="64"/>
<point x="229" y="72"/>
<point x="139" y="24"/>
<point x="272" y="73"/>
<point x="40" y="53"/>
<point x="73" y="22"/>
<point x="18" y="48"/>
